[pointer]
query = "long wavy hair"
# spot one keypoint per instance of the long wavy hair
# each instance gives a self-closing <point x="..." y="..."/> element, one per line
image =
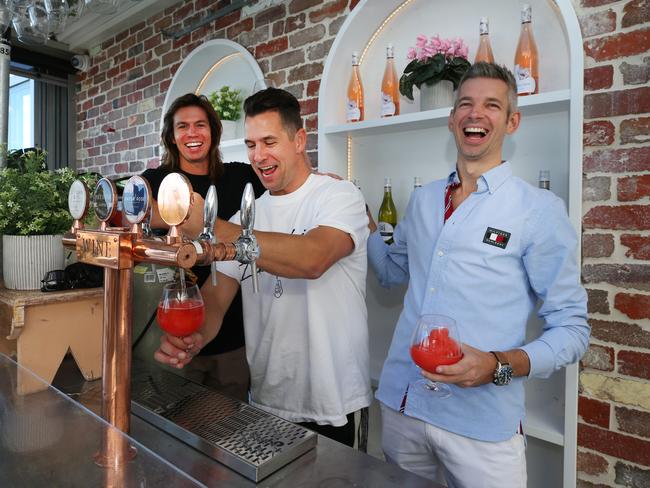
<point x="171" y="157"/>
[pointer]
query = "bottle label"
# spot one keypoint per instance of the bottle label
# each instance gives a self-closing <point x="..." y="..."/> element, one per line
<point x="387" y="105"/>
<point x="525" y="82"/>
<point x="385" y="231"/>
<point x="352" y="111"/>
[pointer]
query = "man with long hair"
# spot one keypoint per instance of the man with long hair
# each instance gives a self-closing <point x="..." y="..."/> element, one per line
<point x="191" y="133"/>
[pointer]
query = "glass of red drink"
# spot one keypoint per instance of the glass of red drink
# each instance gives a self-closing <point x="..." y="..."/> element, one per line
<point x="181" y="310"/>
<point x="435" y="342"/>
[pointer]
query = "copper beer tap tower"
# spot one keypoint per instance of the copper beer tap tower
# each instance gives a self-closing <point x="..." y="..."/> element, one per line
<point x="118" y="249"/>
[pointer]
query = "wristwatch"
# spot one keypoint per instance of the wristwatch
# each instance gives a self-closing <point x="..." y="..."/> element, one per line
<point x="503" y="372"/>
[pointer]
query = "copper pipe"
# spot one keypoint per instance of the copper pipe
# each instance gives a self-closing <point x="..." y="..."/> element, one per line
<point x="222" y="251"/>
<point x="116" y="368"/>
<point x="183" y="255"/>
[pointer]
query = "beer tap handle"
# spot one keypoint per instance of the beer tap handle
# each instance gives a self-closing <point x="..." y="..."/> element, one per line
<point x="209" y="218"/>
<point x="247" y="217"/>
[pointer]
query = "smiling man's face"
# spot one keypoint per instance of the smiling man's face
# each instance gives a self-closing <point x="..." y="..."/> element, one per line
<point x="481" y="119"/>
<point x="193" y="138"/>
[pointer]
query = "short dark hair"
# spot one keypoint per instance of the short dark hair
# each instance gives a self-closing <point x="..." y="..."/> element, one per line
<point x="277" y="100"/>
<point x="171" y="158"/>
<point x="495" y="72"/>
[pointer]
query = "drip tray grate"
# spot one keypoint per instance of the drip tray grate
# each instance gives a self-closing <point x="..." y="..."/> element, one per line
<point x="246" y="439"/>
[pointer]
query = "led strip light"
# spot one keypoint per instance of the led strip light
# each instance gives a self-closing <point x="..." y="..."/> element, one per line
<point x="372" y="39"/>
<point x="211" y="70"/>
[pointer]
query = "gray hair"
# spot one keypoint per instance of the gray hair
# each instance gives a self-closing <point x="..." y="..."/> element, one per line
<point x="495" y="72"/>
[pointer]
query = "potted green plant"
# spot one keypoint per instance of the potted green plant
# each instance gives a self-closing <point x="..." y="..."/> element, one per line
<point x="228" y="104"/>
<point x="436" y="67"/>
<point x="33" y="217"/>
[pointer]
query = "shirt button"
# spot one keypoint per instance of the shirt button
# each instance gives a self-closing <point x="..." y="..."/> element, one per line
<point x="433" y="290"/>
<point x="440" y="253"/>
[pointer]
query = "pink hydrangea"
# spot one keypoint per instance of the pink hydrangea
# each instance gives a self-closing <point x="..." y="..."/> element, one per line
<point x="426" y="48"/>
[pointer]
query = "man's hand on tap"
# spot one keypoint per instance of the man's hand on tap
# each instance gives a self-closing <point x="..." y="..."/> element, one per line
<point x="178" y="351"/>
<point x="227" y="231"/>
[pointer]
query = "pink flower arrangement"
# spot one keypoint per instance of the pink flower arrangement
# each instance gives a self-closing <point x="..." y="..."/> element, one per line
<point x="427" y="48"/>
<point x="433" y="60"/>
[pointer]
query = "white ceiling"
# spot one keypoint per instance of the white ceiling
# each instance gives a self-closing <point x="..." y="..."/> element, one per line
<point x="90" y="30"/>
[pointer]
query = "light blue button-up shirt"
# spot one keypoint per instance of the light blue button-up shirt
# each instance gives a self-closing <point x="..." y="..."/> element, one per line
<point x="456" y="269"/>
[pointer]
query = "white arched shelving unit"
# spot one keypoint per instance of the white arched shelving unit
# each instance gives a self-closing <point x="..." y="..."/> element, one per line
<point x="418" y="143"/>
<point x="206" y="69"/>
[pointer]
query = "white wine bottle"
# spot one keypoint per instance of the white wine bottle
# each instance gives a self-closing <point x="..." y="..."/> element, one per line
<point x="387" y="214"/>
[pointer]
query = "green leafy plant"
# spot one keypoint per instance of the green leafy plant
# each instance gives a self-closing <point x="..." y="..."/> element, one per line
<point x="33" y="200"/>
<point x="433" y="60"/>
<point x="227" y="102"/>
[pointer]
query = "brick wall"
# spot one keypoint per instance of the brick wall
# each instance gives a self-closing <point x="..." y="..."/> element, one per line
<point x="119" y="108"/>
<point x="120" y="98"/>
<point x="614" y="402"/>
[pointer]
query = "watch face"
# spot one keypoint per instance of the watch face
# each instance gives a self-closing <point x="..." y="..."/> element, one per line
<point x="503" y="375"/>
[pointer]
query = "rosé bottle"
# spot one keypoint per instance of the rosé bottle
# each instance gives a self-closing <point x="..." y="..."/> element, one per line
<point x="389" y="87"/>
<point x="484" y="51"/>
<point x="354" y="102"/>
<point x="526" y="60"/>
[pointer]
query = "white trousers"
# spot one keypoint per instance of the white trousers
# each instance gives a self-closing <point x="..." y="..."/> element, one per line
<point x="452" y="459"/>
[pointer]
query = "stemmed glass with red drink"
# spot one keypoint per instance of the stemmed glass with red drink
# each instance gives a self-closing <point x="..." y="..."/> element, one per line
<point x="435" y="342"/>
<point x="181" y="310"/>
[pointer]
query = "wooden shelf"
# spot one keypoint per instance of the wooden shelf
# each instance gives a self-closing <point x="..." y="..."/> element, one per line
<point x="532" y="105"/>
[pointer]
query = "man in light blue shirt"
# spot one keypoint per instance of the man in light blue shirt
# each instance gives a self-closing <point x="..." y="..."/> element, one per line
<point x="481" y="246"/>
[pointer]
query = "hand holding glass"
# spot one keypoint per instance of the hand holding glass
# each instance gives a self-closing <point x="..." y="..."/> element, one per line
<point x="435" y="342"/>
<point x="181" y="310"/>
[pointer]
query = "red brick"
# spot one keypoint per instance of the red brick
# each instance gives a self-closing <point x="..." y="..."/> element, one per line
<point x="162" y="48"/>
<point x="309" y="106"/>
<point x="181" y="41"/>
<point x="272" y="47"/>
<point x="634" y="306"/>
<point x="353" y="3"/>
<point x="632" y="421"/>
<point x="620" y="333"/>
<point x="278" y="78"/>
<point x="631" y="275"/>
<point x="633" y="188"/>
<point x="618" y="160"/>
<point x="181" y="13"/>
<point x="635" y="130"/>
<point x="152" y="42"/>
<point x="636" y="12"/>
<point x="593" y="411"/>
<point x="308" y="35"/>
<point x="597" y="245"/>
<point x="171" y="58"/>
<point x="311" y="123"/>
<point x="270" y="15"/>
<point x="598" y="133"/>
<point x="623" y="102"/>
<point x="639" y="246"/>
<point x="614" y="444"/>
<point x="618" y="45"/>
<point x="633" y="476"/>
<point x="591" y="463"/>
<point x="623" y="217"/>
<point x="632" y="363"/>
<point x="278" y="28"/>
<point x="227" y="20"/>
<point x="598" y="23"/>
<point x="597" y="301"/>
<point x="121" y="168"/>
<point x="243" y="26"/>
<point x="329" y="10"/>
<point x="295" y="23"/>
<point x="299" y="5"/>
<point x="313" y="88"/>
<point x="598" y="357"/>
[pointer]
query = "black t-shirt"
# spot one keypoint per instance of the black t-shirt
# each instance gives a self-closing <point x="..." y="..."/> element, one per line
<point x="229" y="191"/>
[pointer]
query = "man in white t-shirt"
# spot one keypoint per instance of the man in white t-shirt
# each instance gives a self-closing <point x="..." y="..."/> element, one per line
<point x="306" y="330"/>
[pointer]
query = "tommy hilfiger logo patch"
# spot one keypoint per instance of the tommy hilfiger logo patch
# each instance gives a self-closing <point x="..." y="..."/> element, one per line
<point x="496" y="237"/>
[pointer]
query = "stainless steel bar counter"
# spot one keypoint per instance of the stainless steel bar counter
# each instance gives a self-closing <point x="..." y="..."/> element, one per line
<point x="48" y="440"/>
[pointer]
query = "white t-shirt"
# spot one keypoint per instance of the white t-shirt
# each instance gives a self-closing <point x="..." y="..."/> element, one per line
<point x="307" y="340"/>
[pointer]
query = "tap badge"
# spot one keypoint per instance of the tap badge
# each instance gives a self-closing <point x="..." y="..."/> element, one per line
<point x="105" y="199"/>
<point x="136" y="199"/>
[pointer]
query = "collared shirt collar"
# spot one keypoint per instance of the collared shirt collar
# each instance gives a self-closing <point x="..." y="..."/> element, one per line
<point x="490" y="180"/>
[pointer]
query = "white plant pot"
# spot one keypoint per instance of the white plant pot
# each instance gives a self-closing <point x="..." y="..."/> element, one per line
<point x="229" y="130"/>
<point x="438" y="95"/>
<point x="26" y="259"/>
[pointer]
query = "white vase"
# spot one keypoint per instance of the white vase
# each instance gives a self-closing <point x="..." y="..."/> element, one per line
<point x="26" y="259"/>
<point x="229" y="130"/>
<point x="438" y="95"/>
